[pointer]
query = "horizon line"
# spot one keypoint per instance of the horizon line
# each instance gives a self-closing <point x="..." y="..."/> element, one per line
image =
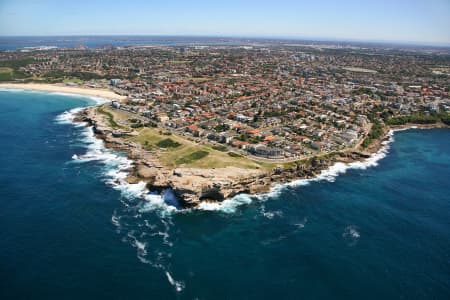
<point x="231" y="36"/>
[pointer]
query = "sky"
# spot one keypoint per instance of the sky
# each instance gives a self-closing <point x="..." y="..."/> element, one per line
<point x="423" y="21"/>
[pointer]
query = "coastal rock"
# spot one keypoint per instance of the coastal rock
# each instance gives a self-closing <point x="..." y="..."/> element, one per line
<point x="146" y="172"/>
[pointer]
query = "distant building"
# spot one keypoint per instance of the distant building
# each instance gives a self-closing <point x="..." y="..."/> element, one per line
<point x="264" y="151"/>
<point x="193" y="129"/>
<point x="114" y="82"/>
<point x="115" y="104"/>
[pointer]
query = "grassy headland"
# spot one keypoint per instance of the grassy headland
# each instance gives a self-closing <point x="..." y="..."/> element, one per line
<point x="179" y="151"/>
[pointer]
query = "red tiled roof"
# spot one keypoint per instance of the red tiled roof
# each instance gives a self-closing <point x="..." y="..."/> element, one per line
<point x="193" y="127"/>
<point x="253" y="131"/>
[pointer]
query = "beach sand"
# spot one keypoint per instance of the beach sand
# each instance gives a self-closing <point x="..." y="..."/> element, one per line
<point x="58" y="88"/>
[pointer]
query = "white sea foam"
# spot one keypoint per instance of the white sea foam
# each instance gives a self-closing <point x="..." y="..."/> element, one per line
<point x="116" y="166"/>
<point x="141" y="246"/>
<point x="67" y="117"/>
<point x="330" y="174"/>
<point x="116" y="222"/>
<point x="228" y="205"/>
<point x="12" y="90"/>
<point x="179" y="285"/>
<point x="351" y="234"/>
<point x="270" y="214"/>
<point x="302" y="224"/>
<point x="116" y="172"/>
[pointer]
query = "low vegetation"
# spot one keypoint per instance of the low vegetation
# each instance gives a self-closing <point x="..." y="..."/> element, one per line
<point x="81" y="76"/>
<point x="152" y="139"/>
<point x="220" y="148"/>
<point x="110" y="118"/>
<point x="168" y="143"/>
<point x="17" y="63"/>
<point x="234" y="154"/>
<point x="420" y="119"/>
<point x="9" y="74"/>
<point x="376" y="132"/>
<point x="192" y="157"/>
<point x="10" y="69"/>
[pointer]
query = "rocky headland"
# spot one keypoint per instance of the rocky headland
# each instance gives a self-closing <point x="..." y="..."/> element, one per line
<point x="194" y="185"/>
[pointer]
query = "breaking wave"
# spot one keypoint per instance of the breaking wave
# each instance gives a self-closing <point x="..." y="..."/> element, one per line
<point x="131" y="220"/>
<point x="117" y="166"/>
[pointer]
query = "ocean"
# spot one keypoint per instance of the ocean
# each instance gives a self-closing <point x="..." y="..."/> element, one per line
<point x="9" y="43"/>
<point x="72" y="229"/>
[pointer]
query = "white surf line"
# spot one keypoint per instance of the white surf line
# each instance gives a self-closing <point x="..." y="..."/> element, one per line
<point x="330" y="174"/>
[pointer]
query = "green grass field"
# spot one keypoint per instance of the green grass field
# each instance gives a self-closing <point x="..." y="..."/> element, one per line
<point x="110" y="116"/>
<point x="190" y="154"/>
<point x="174" y="150"/>
<point x="9" y="74"/>
<point x="192" y="157"/>
<point x="168" y="143"/>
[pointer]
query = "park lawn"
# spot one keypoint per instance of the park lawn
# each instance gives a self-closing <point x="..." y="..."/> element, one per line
<point x="190" y="154"/>
<point x="5" y="70"/>
<point x="112" y="116"/>
<point x="72" y="79"/>
<point x="6" y="73"/>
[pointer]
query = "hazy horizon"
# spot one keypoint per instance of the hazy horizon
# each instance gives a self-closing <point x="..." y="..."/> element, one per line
<point x="237" y="37"/>
<point x="406" y="22"/>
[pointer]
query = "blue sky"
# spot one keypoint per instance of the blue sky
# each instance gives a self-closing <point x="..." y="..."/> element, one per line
<point x="426" y="21"/>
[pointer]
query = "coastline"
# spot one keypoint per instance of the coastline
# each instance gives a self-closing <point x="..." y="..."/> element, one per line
<point x="58" y="88"/>
<point x="228" y="198"/>
<point x="210" y="189"/>
<point x="219" y="193"/>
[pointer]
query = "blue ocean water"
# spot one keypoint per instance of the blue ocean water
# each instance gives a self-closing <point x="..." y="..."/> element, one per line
<point x="71" y="229"/>
<point x="14" y="43"/>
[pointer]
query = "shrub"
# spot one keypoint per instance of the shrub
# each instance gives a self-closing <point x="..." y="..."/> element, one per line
<point x="168" y="143"/>
<point x="234" y="154"/>
<point x="220" y="148"/>
<point x="192" y="157"/>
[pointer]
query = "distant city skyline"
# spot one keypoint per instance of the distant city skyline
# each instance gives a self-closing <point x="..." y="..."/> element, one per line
<point x="415" y="21"/>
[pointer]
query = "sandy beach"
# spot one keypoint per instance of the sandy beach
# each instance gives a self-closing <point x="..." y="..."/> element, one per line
<point x="58" y="88"/>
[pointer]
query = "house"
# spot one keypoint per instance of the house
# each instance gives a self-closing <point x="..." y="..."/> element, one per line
<point x="114" y="81"/>
<point x="162" y="117"/>
<point x="217" y="137"/>
<point x="317" y="146"/>
<point x="264" y="151"/>
<point x="193" y="129"/>
<point x="239" y="144"/>
<point x="115" y="104"/>
<point x="242" y="118"/>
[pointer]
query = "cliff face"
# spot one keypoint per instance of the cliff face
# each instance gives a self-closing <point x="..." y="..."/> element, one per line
<point x="194" y="185"/>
